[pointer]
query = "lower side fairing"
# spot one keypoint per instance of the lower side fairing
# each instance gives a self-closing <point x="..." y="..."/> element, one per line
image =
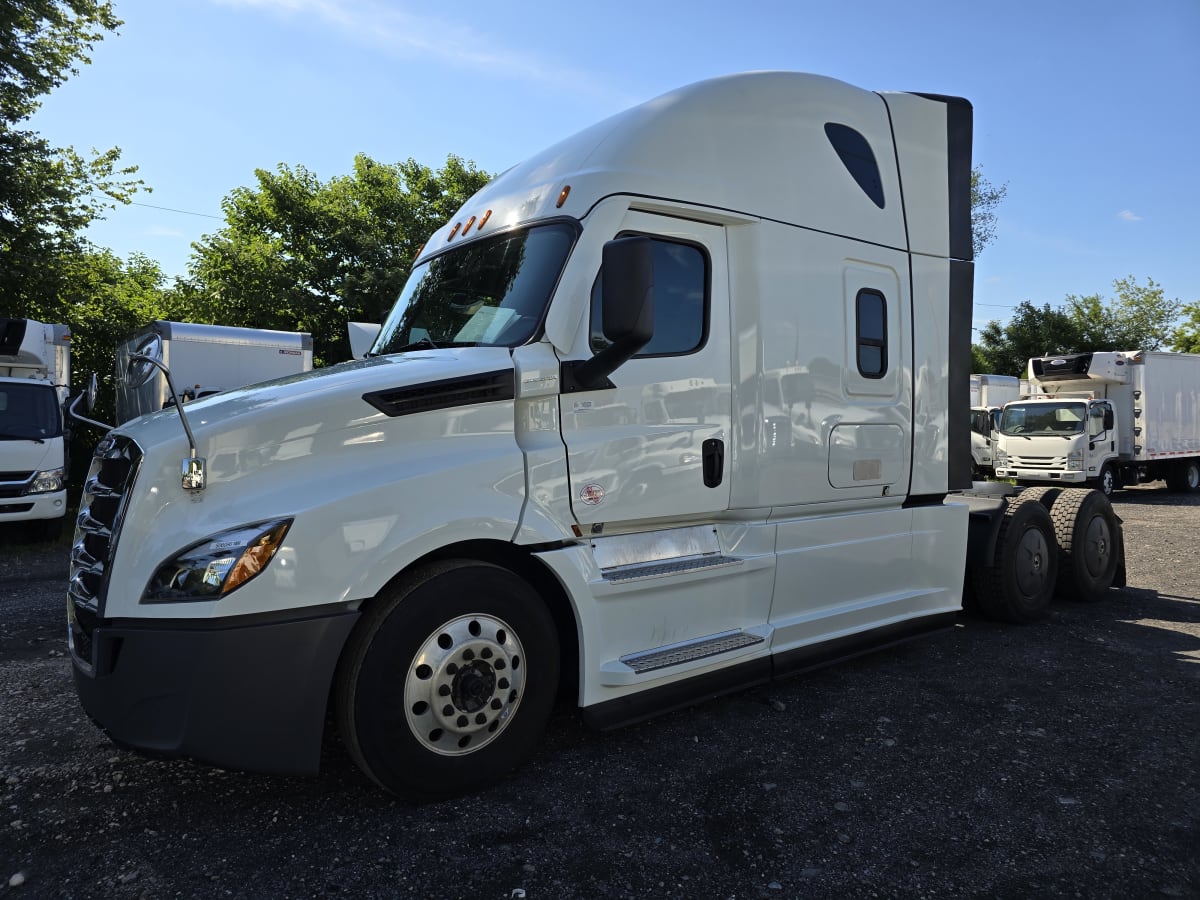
<point x="247" y="693"/>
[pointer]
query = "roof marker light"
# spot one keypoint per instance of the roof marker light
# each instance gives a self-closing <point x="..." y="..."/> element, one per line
<point x="453" y="232"/>
<point x="470" y="222"/>
<point x="487" y="215"/>
<point x="562" y="198"/>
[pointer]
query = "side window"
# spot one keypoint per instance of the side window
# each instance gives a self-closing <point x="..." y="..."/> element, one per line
<point x="871" y="334"/>
<point x="1096" y="421"/>
<point x="855" y="153"/>
<point x="681" y="275"/>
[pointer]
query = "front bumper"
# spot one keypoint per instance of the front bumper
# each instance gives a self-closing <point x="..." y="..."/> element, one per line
<point x="1046" y="475"/>
<point x="33" y="507"/>
<point x="246" y="695"/>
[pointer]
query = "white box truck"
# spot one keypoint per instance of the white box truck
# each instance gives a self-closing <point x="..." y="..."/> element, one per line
<point x="989" y="393"/>
<point x="676" y="406"/>
<point x="1108" y="419"/>
<point x="35" y="378"/>
<point x="204" y="360"/>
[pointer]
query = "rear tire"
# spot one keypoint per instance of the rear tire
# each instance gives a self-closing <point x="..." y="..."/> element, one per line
<point x="1019" y="585"/>
<point x="448" y="681"/>
<point x="1088" y="536"/>
<point x="1184" y="477"/>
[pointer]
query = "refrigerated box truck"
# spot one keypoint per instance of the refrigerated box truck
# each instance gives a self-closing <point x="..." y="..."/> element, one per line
<point x="35" y="379"/>
<point x="675" y="407"/>
<point x="1108" y="419"/>
<point x="204" y="360"/>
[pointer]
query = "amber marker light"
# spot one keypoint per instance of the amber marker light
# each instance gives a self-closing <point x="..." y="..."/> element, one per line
<point x="256" y="556"/>
<point x="562" y="198"/>
<point x="470" y="222"/>
<point x="487" y="215"/>
<point x="453" y="232"/>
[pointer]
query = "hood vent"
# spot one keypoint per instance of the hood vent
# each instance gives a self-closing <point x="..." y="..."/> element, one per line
<point x="487" y="387"/>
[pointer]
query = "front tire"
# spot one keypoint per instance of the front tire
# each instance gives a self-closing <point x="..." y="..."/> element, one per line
<point x="1107" y="482"/>
<point x="1018" y="586"/>
<point x="447" y="683"/>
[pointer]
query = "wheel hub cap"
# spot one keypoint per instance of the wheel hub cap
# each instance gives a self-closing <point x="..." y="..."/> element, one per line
<point x="464" y="684"/>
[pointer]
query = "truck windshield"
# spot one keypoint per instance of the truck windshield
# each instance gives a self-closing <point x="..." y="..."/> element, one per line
<point x="489" y="293"/>
<point x="1043" y="418"/>
<point x="28" y="412"/>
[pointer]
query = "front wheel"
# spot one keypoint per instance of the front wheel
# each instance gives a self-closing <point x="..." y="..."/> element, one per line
<point x="1107" y="483"/>
<point x="448" y="681"/>
<point x="1018" y="586"/>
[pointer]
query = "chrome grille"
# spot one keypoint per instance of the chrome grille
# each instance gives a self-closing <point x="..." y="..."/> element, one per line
<point x="1036" y="462"/>
<point x="112" y="473"/>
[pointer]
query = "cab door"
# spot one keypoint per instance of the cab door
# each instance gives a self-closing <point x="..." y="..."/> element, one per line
<point x="656" y="445"/>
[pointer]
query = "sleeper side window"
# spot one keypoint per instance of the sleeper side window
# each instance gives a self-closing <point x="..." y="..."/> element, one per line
<point x="871" y="333"/>
<point x="855" y="153"/>
<point x="681" y="298"/>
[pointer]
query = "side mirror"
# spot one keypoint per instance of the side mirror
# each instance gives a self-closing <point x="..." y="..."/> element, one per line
<point x="627" y="309"/>
<point x="142" y="360"/>
<point x="89" y="393"/>
<point x="1108" y="420"/>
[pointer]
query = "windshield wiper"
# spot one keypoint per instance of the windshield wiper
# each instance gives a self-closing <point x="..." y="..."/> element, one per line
<point x="425" y="343"/>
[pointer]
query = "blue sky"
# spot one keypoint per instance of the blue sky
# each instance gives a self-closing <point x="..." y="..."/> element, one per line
<point x="1088" y="111"/>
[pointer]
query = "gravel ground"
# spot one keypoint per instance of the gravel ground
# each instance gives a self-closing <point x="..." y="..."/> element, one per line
<point x="1058" y="759"/>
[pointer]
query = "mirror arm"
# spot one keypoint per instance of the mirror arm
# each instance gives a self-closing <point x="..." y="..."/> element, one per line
<point x="138" y="357"/>
<point x="75" y="415"/>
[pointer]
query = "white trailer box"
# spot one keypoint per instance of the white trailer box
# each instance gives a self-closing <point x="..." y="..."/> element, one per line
<point x="1108" y="418"/>
<point x="35" y="378"/>
<point x="667" y="410"/>
<point x="205" y="360"/>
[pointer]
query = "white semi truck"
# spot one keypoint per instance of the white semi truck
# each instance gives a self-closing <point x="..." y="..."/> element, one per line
<point x="203" y="360"/>
<point x="757" y="287"/>
<point x="35" y="378"/>
<point x="989" y="393"/>
<point x="1107" y="419"/>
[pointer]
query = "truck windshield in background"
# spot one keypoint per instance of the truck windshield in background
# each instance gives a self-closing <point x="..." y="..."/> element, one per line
<point x="486" y="293"/>
<point x="29" y="412"/>
<point x="1043" y="418"/>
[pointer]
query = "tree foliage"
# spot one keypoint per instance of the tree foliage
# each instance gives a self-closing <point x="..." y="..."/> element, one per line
<point x="1186" y="337"/>
<point x="1138" y="318"/>
<point x="985" y="197"/>
<point x="48" y="195"/>
<point x="299" y="254"/>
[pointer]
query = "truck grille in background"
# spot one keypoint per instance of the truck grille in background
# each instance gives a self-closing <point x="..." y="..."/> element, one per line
<point x="13" y="484"/>
<point x="114" y="466"/>
<point x="1037" y="462"/>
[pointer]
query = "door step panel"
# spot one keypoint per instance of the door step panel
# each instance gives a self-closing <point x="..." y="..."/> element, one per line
<point x="684" y="656"/>
<point x="673" y="567"/>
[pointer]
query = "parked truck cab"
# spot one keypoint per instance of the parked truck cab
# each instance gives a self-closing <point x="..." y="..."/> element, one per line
<point x="672" y="408"/>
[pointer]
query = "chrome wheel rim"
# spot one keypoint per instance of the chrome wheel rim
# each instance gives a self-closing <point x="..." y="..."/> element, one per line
<point x="464" y="685"/>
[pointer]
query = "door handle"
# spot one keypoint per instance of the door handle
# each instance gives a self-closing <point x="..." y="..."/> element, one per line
<point x="713" y="453"/>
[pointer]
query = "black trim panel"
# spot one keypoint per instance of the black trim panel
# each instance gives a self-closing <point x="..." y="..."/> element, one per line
<point x="466" y="390"/>
<point x="958" y="389"/>
<point x="656" y="701"/>
<point x="239" y="696"/>
<point x="959" y="126"/>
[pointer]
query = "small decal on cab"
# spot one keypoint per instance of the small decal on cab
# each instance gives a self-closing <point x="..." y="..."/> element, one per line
<point x="592" y="494"/>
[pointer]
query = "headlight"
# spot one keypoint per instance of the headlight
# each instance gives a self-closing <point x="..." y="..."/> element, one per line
<point x="1075" y="461"/>
<point x="47" y="482"/>
<point x="217" y="565"/>
<point x="1000" y="458"/>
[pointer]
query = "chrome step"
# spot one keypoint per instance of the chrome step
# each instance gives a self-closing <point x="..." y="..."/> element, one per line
<point x="651" y="660"/>
<point x="674" y="567"/>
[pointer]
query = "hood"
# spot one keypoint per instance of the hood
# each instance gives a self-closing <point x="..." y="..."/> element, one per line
<point x="319" y="401"/>
<point x="31" y="456"/>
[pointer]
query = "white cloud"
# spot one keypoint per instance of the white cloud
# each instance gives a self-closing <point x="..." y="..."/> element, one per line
<point x="1128" y="215"/>
<point x="391" y="28"/>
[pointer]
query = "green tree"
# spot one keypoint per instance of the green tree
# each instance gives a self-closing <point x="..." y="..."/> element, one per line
<point x="1186" y="337"/>
<point x="1139" y="318"/>
<point x="47" y="195"/>
<point x="1032" y="331"/>
<point x="985" y="197"/>
<point x="299" y="254"/>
